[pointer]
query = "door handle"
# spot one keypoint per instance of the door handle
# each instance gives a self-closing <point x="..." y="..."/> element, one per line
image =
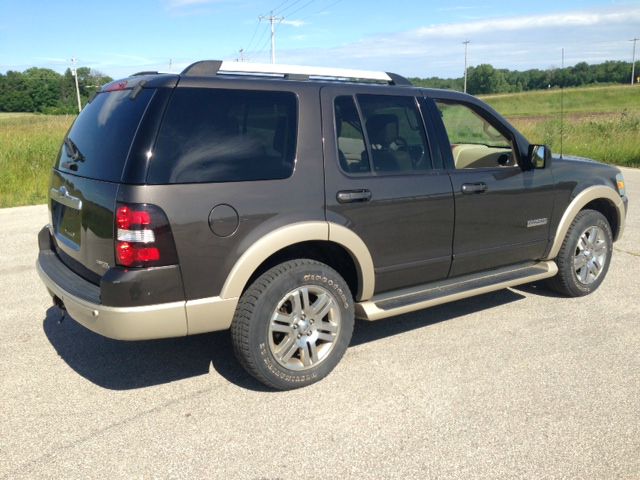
<point x="353" y="196"/>
<point x="474" y="187"/>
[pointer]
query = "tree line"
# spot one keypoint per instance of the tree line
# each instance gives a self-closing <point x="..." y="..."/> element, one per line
<point x="485" y="79"/>
<point x="46" y="91"/>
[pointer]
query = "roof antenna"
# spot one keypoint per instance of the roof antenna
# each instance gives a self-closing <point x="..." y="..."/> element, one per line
<point x="562" y="104"/>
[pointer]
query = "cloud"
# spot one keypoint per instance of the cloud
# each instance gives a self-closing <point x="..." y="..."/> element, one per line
<point x="294" y="23"/>
<point x="522" y="42"/>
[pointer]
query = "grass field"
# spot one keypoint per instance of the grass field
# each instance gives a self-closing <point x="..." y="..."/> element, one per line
<point x="600" y="122"/>
<point x="28" y="147"/>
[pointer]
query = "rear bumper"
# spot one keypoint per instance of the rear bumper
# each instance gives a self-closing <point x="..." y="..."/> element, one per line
<point x="82" y="300"/>
<point x="122" y="323"/>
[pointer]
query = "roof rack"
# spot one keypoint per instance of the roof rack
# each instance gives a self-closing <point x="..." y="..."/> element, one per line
<point x="146" y="72"/>
<point x="291" y="72"/>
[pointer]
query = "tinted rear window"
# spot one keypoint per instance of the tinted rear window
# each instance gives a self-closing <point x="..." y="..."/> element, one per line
<point x="216" y="135"/>
<point x="101" y="136"/>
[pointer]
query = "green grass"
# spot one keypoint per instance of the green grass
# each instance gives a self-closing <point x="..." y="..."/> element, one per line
<point x="602" y="123"/>
<point x="610" y="99"/>
<point x="29" y="145"/>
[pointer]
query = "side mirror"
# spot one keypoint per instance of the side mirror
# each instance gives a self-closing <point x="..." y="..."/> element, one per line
<point x="539" y="156"/>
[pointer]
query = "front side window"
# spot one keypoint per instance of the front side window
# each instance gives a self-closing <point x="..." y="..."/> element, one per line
<point x="475" y="142"/>
<point x="217" y="135"/>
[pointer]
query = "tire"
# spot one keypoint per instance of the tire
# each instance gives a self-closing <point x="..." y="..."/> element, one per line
<point x="585" y="255"/>
<point x="293" y="324"/>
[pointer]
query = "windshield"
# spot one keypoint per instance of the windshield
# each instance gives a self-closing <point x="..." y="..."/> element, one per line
<point x="98" y="143"/>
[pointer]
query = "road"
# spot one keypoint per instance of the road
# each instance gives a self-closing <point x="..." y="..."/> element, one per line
<point x="513" y="384"/>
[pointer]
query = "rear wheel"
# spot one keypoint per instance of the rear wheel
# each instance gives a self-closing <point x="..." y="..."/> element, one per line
<point x="585" y="255"/>
<point x="293" y="324"/>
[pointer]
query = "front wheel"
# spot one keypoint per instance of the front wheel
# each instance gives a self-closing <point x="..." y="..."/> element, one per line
<point x="293" y="324"/>
<point x="585" y="255"/>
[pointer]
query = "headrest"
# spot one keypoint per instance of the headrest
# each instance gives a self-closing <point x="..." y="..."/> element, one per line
<point x="382" y="129"/>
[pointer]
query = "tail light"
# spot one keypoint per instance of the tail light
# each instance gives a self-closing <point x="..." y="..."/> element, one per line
<point x="143" y="236"/>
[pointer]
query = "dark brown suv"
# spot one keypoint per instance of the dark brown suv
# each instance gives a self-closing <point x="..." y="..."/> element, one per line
<point x="282" y="202"/>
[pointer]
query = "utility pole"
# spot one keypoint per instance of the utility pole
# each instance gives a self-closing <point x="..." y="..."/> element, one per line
<point x="241" y="52"/>
<point x="466" y="44"/>
<point x="170" y="64"/>
<point x="74" y="72"/>
<point x="633" y="62"/>
<point x="272" y="20"/>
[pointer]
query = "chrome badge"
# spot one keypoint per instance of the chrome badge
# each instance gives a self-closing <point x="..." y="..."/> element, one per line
<point x="103" y="264"/>
<point x="537" y="222"/>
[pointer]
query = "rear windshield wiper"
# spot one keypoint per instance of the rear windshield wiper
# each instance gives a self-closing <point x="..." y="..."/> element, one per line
<point x="72" y="150"/>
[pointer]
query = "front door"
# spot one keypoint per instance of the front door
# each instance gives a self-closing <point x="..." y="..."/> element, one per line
<point x="502" y="211"/>
<point x="380" y="183"/>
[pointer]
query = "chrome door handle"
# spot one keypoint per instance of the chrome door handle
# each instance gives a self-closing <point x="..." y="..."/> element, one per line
<point x="62" y="196"/>
<point x="479" y="187"/>
<point x="353" y="196"/>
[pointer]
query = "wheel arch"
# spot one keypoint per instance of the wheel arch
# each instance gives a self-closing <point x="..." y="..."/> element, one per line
<point x="338" y="246"/>
<point x="598" y="197"/>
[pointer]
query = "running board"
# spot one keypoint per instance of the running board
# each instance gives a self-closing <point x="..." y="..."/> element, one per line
<point x="408" y="300"/>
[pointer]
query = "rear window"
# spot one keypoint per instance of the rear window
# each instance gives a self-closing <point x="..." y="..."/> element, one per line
<point x="219" y="135"/>
<point x="98" y="143"/>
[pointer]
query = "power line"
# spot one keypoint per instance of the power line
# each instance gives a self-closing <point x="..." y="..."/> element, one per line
<point x="295" y="2"/>
<point x="290" y="14"/>
<point x="281" y="4"/>
<point x="321" y="10"/>
<point x="255" y="30"/>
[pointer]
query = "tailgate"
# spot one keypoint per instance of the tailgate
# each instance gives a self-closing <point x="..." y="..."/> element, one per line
<point x="82" y="220"/>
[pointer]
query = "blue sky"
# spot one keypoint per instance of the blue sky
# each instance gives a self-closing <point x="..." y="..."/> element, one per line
<point x="413" y="37"/>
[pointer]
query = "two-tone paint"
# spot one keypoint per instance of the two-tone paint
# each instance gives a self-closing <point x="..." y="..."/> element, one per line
<point x="415" y="229"/>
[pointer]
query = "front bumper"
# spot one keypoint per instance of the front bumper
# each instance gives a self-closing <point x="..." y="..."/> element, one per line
<point x="82" y="300"/>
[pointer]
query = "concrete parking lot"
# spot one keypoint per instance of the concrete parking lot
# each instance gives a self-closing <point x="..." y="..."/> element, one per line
<point x="513" y="384"/>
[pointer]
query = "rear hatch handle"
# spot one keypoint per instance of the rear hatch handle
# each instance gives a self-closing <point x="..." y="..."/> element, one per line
<point x="62" y="196"/>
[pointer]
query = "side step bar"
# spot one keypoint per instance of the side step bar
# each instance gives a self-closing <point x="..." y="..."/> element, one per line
<point x="389" y="304"/>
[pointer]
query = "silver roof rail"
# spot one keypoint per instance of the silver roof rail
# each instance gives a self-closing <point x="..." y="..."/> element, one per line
<point x="292" y="72"/>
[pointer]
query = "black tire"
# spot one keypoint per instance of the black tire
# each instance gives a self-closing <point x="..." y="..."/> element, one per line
<point x="566" y="282"/>
<point x="255" y="344"/>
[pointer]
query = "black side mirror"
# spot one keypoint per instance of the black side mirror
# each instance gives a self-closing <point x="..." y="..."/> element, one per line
<point x="539" y="156"/>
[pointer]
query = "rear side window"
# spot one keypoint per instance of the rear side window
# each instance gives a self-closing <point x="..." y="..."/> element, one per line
<point x="218" y="135"/>
<point x="396" y="134"/>
<point x="98" y="143"/>
<point x="352" y="151"/>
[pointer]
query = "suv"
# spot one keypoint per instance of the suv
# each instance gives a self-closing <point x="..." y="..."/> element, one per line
<point x="281" y="202"/>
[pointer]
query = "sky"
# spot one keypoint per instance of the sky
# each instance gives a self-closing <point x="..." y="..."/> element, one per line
<point x="410" y="37"/>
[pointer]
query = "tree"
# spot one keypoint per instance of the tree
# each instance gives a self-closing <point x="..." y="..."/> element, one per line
<point x="485" y="79"/>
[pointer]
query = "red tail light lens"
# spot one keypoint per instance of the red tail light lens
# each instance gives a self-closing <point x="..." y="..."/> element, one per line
<point x="125" y="217"/>
<point x="143" y="237"/>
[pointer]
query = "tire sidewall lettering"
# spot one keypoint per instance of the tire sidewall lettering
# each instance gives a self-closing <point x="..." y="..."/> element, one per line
<point x="331" y="285"/>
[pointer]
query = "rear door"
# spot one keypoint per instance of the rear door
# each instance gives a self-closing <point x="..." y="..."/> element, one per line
<point x="502" y="211"/>
<point x="86" y="178"/>
<point x="382" y="184"/>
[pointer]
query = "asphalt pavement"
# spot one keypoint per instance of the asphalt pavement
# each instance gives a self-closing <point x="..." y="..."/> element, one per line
<point x="514" y="384"/>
